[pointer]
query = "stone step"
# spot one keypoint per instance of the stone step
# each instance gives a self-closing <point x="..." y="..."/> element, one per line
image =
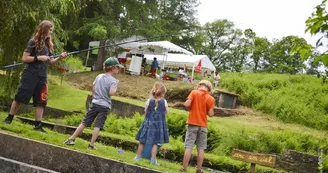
<point x="13" y="166"/>
<point x="61" y="159"/>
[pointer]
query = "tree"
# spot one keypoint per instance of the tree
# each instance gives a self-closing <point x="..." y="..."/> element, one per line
<point x="241" y="50"/>
<point x="282" y="59"/>
<point x="220" y="36"/>
<point x="260" y="52"/>
<point x="313" y="67"/>
<point x="316" y="24"/>
<point x="18" y="20"/>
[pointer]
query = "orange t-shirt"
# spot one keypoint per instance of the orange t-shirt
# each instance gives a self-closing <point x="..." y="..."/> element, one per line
<point x="201" y="103"/>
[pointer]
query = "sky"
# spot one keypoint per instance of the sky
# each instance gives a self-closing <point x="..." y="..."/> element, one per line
<point x="267" y="18"/>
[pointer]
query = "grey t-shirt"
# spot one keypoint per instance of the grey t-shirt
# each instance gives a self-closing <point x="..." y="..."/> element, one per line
<point x="102" y="85"/>
<point x="38" y="68"/>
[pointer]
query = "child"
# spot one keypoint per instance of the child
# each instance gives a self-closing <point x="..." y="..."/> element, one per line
<point x="216" y="79"/>
<point x="34" y="77"/>
<point x="154" y="128"/>
<point x="105" y="86"/>
<point x="201" y="104"/>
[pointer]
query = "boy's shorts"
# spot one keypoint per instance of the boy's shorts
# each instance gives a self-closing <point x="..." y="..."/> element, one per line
<point x="196" y="134"/>
<point x="101" y="112"/>
<point x="32" y="85"/>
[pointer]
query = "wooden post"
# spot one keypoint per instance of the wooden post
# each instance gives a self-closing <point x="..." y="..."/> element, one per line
<point x="101" y="56"/>
<point x="252" y="169"/>
<point x="221" y="100"/>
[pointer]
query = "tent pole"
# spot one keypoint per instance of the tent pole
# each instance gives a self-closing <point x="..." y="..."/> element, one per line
<point x="193" y="71"/>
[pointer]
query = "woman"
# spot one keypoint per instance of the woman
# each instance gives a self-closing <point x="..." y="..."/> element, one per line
<point x="34" y="77"/>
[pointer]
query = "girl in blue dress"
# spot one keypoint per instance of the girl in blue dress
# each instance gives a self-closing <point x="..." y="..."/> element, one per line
<point x="154" y="128"/>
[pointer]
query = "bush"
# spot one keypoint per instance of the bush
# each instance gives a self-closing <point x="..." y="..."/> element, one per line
<point x="75" y="64"/>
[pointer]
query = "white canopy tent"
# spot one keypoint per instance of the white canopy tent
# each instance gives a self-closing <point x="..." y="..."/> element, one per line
<point x="157" y="48"/>
<point x="181" y="59"/>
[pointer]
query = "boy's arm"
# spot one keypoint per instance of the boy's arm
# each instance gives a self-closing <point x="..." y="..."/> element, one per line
<point x="93" y="91"/>
<point x="187" y="103"/>
<point x="210" y="105"/>
<point x="113" y="88"/>
<point x="189" y="100"/>
<point x="210" y="112"/>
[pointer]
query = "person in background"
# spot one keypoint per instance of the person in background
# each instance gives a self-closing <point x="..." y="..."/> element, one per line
<point x="143" y="66"/>
<point x="209" y="73"/>
<point x="216" y="79"/>
<point x="201" y="105"/>
<point x="154" y="66"/>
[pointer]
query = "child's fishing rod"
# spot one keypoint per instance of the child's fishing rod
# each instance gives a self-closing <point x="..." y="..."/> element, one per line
<point x="85" y="50"/>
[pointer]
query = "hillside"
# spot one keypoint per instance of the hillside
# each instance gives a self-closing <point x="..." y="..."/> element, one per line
<point x="300" y="99"/>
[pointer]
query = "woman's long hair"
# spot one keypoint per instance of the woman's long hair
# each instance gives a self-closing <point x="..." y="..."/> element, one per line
<point x="42" y="37"/>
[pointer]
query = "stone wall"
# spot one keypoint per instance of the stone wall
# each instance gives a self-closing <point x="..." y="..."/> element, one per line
<point x="12" y="166"/>
<point x="61" y="159"/>
<point x="120" y="108"/>
<point x="298" y="162"/>
<point x="126" y="109"/>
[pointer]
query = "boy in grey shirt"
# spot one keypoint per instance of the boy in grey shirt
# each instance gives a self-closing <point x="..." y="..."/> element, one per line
<point x="105" y="86"/>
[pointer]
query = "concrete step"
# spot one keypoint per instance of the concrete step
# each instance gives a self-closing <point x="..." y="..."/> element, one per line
<point x="61" y="159"/>
<point x="13" y="166"/>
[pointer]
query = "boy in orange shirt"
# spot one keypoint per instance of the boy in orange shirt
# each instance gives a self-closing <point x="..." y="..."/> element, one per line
<point x="201" y="104"/>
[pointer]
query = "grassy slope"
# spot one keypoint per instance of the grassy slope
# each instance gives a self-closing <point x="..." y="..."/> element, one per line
<point x="300" y="99"/>
<point x="135" y="87"/>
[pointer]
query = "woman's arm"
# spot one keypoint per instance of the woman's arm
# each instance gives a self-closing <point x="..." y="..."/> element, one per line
<point x="55" y="61"/>
<point x="27" y="58"/>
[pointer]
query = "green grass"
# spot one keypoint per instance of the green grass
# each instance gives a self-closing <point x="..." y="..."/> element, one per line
<point x="81" y="145"/>
<point x="300" y="99"/>
<point x="175" y="145"/>
<point x="250" y="133"/>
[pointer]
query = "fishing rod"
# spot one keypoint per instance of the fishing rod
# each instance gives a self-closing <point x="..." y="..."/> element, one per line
<point x="86" y="50"/>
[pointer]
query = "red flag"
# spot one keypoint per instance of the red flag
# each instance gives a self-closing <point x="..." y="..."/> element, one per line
<point x="199" y="67"/>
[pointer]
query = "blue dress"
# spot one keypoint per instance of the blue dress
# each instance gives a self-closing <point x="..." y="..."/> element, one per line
<point x="154" y="128"/>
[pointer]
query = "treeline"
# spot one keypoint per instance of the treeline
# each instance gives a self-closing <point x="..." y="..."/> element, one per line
<point x="79" y="21"/>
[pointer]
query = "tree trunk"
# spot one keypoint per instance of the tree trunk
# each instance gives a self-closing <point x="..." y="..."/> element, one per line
<point x="101" y="56"/>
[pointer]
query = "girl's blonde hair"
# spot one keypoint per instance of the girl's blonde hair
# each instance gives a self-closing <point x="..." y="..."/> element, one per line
<point x="41" y="36"/>
<point x="158" y="90"/>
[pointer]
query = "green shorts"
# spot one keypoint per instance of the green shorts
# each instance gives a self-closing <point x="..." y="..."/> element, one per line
<point x="196" y="134"/>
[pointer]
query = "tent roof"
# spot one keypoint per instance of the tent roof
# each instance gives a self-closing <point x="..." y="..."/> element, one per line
<point x="156" y="47"/>
<point x="181" y="59"/>
<point x="166" y="46"/>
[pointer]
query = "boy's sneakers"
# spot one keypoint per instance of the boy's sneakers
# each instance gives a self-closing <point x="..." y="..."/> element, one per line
<point x="69" y="141"/>
<point x="154" y="162"/>
<point x="8" y="120"/>
<point x="91" y="147"/>
<point x="39" y="128"/>
<point x="137" y="158"/>
<point x="199" y="171"/>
